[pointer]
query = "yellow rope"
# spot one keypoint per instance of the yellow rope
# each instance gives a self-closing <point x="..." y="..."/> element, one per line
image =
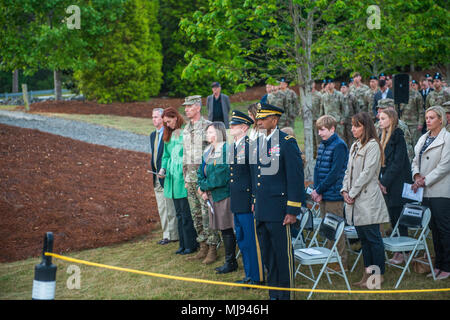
<point x="231" y="284"/>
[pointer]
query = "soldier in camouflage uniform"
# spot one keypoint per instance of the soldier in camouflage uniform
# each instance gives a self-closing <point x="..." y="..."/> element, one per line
<point x="359" y="90"/>
<point x="278" y="98"/>
<point x="333" y="104"/>
<point x="413" y="114"/>
<point x="292" y="107"/>
<point x="368" y="97"/>
<point x="194" y="142"/>
<point x="446" y="107"/>
<point x="351" y="109"/>
<point x="389" y="103"/>
<point x="438" y="96"/>
<point x="316" y="97"/>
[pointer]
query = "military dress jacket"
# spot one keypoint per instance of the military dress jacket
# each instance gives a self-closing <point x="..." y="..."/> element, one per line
<point x="278" y="179"/>
<point x="240" y="176"/>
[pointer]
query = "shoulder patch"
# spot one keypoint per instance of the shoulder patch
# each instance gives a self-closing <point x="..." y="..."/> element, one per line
<point x="289" y="137"/>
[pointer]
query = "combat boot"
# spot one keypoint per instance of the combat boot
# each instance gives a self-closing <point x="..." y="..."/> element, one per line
<point x="201" y="254"/>
<point x="211" y="256"/>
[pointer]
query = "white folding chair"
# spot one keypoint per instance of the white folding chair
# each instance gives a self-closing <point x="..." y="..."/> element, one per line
<point x="331" y="228"/>
<point x="304" y="218"/>
<point x="350" y="233"/>
<point x="412" y="216"/>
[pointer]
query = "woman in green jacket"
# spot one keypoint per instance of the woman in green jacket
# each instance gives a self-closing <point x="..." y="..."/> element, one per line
<point x="172" y="171"/>
<point x="214" y="187"/>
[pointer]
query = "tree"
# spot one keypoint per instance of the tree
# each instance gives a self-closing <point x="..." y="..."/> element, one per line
<point x="35" y="34"/>
<point x="278" y="34"/>
<point x="307" y="39"/>
<point x="128" y="68"/>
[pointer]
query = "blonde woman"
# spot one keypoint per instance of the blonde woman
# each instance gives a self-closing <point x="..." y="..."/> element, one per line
<point x="366" y="208"/>
<point x="431" y="171"/>
<point x="395" y="171"/>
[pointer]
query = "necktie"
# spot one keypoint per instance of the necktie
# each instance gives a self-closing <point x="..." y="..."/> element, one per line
<point x="155" y="148"/>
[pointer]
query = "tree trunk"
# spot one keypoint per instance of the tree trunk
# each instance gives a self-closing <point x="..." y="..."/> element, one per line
<point x="57" y="82"/>
<point x="306" y="103"/>
<point x="15" y="81"/>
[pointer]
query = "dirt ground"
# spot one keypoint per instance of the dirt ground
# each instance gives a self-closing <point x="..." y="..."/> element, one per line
<point x="89" y="196"/>
<point x="132" y="109"/>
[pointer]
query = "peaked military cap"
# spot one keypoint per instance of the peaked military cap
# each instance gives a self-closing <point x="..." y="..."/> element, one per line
<point x="385" y="103"/>
<point x="351" y="80"/>
<point x="188" y="101"/>
<point x="437" y="75"/>
<point x="382" y="74"/>
<point x="330" y="80"/>
<point x="427" y="75"/>
<point x="238" y="117"/>
<point x="344" y="84"/>
<point x="265" y="110"/>
<point x="373" y="78"/>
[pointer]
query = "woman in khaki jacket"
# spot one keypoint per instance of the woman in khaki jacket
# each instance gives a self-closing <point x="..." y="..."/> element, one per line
<point x="431" y="171"/>
<point x="365" y="206"/>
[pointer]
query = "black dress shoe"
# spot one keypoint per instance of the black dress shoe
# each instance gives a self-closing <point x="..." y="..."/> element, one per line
<point x="179" y="251"/>
<point x="164" y="241"/>
<point x="188" y="251"/>
<point x="244" y="280"/>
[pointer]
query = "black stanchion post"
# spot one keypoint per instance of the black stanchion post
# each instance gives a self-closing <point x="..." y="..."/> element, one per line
<point x="44" y="283"/>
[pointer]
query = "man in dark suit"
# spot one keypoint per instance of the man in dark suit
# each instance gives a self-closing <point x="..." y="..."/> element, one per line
<point x="278" y="187"/>
<point x="166" y="208"/>
<point x="383" y="93"/>
<point x="218" y="105"/>
<point x="241" y="199"/>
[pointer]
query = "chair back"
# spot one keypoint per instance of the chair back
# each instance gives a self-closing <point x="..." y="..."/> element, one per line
<point x="414" y="216"/>
<point x="332" y="227"/>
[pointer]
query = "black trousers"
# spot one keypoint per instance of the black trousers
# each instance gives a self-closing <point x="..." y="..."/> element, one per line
<point x="186" y="230"/>
<point x="440" y="229"/>
<point x="371" y="245"/>
<point x="278" y="257"/>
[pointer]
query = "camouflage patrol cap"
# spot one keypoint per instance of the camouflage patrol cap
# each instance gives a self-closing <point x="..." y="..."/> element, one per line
<point x="385" y="103"/>
<point x="188" y="101"/>
<point x="446" y="106"/>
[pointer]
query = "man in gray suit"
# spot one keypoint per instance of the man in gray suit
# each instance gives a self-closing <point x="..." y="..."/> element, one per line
<point x="218" y="105"/>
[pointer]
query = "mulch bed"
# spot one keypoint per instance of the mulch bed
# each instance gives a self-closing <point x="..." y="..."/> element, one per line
<point x="87" y="195"/>
<point x="132" y="109"/>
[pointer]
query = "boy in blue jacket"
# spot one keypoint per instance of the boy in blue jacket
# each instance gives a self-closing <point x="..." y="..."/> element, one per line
<point x="329" y="172"/>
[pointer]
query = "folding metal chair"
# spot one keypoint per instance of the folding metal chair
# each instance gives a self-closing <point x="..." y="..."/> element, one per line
<point x="331" y="228"/>
<point x="305" y="219"/>
<point x="412" y="216"/>
<point x="350" y="233"/>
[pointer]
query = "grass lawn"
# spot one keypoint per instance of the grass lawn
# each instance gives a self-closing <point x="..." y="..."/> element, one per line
<point x="145" y="255"/>
<point x="8" y="107"/>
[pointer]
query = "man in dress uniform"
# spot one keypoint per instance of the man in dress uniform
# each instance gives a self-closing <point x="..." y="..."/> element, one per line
<point x="241" y="199"/>
<point x="278" y="187"/>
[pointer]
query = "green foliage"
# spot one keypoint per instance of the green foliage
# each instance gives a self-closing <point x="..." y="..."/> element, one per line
<point x="128" y="68"/>
<point x="34" y="34"/>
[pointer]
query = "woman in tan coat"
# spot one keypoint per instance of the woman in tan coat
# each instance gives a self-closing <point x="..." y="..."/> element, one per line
<point x="365" y="206"/>
<point x="431" y="171"/>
